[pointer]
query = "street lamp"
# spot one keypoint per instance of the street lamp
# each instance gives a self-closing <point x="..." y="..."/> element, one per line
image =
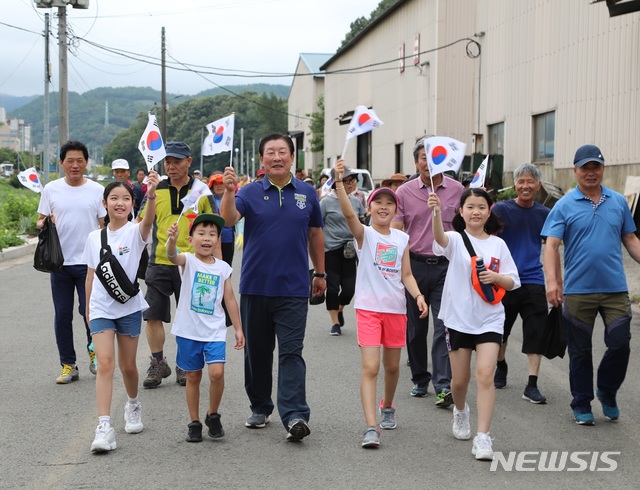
<point x="238" y="150"/>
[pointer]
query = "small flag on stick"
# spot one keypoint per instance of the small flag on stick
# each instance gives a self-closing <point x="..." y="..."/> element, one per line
<point x="479" y="176"/>
<point x="151" y="145"/>
<point x="220" y="137"/>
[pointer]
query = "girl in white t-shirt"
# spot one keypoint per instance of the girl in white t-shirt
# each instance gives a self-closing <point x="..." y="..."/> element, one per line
<point x="471" y="322"/>
<point x="108" y="317"/>
<point x="383" y="274"/>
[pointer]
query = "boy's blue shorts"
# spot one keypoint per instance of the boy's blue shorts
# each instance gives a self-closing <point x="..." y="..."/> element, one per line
<point x="192" y="354"/>
<point x="126" y="325"/>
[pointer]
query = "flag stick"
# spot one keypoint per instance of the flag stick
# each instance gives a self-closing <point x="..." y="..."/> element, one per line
<point x="433" y="189"/>
<point x="344" y="150"/>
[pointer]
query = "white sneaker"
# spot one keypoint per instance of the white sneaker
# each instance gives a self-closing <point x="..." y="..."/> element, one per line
<point x="105" y="438"/>
<point x="461" y="428"/>
<point x="132" y="418"/>
<point x="482" y="447"/>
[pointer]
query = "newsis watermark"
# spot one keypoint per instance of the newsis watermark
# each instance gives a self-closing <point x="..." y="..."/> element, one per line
<point x="555" y="461"/>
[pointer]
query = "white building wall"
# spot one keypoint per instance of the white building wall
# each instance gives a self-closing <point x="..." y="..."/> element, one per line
<point x="409" y="103"/>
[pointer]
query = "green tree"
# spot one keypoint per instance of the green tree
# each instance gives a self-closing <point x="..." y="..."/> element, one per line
<point x="361" y="23"/>
<point x="202" y="290"/>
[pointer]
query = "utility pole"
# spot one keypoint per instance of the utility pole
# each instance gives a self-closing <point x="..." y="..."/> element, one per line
<point x="63" y="128"/>
<point x="246" y="169"/>
<point x="63" y="124"/>
<point x="163" y="109"/>
<point x="47" y="80"/>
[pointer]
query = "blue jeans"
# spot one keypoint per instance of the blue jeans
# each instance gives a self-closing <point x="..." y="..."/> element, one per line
<point x="265" y="319"/>
<point x="579" y="314"/>
<point x="63" y="284"/>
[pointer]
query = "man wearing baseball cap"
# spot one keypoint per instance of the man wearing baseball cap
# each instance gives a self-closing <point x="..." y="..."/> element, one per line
<point x="121" y="173"/>
<point x="162" y="277"/>
<point x="591" y="220"/>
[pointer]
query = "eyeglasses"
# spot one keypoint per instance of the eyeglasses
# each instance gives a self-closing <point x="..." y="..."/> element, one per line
<point x="282" y="152"/>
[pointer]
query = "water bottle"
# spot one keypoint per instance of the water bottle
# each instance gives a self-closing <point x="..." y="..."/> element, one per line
<point x="486" y="288"/>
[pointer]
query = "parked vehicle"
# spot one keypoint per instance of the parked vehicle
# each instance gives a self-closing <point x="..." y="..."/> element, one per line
<point x="6" y="169"/>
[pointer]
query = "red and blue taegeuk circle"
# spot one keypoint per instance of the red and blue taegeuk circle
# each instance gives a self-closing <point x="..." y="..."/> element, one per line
<point x="363" y="119"/>
<point x="476" y="178"/>
<point x="154" y="141"/>
<point x="218" y="134"/>
<point x="34" y="178"/>
<point x="438" y="154"/>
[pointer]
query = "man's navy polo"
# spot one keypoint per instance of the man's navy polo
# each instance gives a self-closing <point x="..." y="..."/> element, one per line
<point x="275" y="260"/>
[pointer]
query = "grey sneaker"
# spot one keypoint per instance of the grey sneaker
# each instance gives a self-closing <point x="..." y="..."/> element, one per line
<point x="371" y="438"/>
<point x="68" y="374"/>
<point x="388" y="421"/>
<point x="133" y="418"/>
<point x="156" y="372"/>
<point x="257" y="420"/>
<point x="181" y="376"/>
<point x="298" y="430"/>
<point x="461" y="428"/>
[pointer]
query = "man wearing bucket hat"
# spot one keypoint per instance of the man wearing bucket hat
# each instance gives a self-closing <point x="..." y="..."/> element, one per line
<point x="162" y="277"/>
<point x="393" y="182"/>
<point x="592" y="220"/>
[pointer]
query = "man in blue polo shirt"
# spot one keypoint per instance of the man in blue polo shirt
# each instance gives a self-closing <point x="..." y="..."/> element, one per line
<point x="592" y="220"/>
<point x="283" y="227"/>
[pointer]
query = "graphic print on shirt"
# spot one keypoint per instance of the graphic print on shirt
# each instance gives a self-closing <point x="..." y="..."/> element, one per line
<point x="204" y="292"/>
<point x="386" y="258"/>
<point x="301" y="200"/>
<point x="123" y="250"/>
<point x="494" y="265"/>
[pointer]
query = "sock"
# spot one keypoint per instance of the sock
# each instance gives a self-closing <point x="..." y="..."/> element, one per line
<point x="104" y="418"/>
<point x="132" y="401"/>
<point x="158" y="355"/>
<point x="533" y="381"/>
<point x="502" y="364"/>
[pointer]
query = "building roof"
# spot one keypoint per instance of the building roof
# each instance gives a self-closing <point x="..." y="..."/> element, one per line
<point x="314" y="61"/>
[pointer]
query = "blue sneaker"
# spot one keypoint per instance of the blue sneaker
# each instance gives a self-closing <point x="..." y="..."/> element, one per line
<point x="609" y="406"/>
<point x="583" y="416"/>
<point x="419" y="390"/>
<point x="335" y="330"/>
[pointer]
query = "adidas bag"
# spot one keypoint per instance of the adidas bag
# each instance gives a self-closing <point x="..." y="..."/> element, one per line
<point x="112" y="276"/>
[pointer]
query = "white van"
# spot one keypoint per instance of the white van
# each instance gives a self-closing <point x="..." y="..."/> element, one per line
<point x="365" y="181"/>
<point x="6" y="169"/>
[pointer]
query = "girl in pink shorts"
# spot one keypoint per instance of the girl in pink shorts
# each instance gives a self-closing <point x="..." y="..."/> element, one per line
<point x="383" y="274"/>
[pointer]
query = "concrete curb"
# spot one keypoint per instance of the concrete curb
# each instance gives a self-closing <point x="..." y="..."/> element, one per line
<point x="28" y="248"/>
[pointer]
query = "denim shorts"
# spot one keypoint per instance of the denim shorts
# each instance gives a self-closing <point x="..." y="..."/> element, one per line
<point x="127" y="325"/>
<point x="192" y="354"/>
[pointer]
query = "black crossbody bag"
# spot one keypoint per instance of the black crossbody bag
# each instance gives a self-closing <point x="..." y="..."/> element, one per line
<point x="111" y="274"/>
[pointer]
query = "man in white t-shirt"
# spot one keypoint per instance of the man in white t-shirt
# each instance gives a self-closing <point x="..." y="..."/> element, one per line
<point x="74" y="204"/>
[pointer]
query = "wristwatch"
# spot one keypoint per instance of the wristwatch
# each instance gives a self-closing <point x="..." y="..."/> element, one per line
<point x="323" y="275"/>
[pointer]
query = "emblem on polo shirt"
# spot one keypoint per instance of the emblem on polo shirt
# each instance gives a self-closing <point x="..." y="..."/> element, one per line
<point x="301" y="200"/>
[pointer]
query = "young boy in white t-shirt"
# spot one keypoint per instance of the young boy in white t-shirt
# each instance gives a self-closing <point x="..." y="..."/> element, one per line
<point x="199" y="324"/>
<point x="384" y="271"/>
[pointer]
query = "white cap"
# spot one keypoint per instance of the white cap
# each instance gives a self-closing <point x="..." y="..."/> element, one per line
<point x="120" y="163"/>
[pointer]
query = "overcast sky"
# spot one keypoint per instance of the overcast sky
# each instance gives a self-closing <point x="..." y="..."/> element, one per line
<point x="222" y="36"/>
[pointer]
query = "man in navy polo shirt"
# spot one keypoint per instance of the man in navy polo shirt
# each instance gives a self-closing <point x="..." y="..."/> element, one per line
<point x="592" y="221"/>
<point x="283" y="227"/>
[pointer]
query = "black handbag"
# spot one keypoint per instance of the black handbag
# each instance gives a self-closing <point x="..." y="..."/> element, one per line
<point x="48" y="255"/>
<point x="111" y="274"/>
<point x="552" y="343"/>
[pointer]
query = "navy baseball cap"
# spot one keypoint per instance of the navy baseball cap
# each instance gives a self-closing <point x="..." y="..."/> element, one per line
<point x="178" y="149"/>
<point x="586" y="154"/>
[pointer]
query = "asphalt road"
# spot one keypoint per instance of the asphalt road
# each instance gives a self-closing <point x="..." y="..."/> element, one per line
<point x="47" y="429"/>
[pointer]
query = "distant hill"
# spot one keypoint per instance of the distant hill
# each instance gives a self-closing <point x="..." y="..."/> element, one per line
<point x="11" y="102"/>
<point x="87" y="116"/>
